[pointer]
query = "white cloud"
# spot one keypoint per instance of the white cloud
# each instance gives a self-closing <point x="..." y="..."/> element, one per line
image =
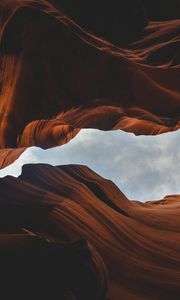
<point x="144" y="168"/>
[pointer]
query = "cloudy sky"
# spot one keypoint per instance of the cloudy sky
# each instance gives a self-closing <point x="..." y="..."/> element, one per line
<point x="144" y="168"/>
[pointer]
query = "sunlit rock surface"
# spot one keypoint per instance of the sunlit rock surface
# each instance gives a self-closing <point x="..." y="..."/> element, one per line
<point x="57" y="78"/>
<point x="133" y="244"/>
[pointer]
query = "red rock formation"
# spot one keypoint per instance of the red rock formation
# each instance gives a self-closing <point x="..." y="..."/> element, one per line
<point x="46" y="262"/>
<point x="8" y="156"/>
<point x="67" y="271"/>
<point x="120" y="22"/>
<point x="139" y="243"/>
<point x="57" y="78"/>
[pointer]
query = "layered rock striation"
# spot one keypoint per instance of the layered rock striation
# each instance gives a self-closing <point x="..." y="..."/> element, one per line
<point x="57" y="77"/>
<point x="130" y="247"/>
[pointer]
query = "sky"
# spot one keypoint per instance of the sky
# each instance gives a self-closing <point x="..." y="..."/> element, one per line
<point x="143" y="167"/>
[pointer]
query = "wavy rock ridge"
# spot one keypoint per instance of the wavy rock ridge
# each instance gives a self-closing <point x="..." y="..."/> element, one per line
<point x="134" y="245"/>
<point x="57" y="78"/>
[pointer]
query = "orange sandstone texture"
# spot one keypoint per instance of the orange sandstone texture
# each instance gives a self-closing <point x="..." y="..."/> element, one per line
<point x="130" y="246"/>
<point x="57" y="78"/>
<point x="65" y="231"/>
<point x="8" y="156"/>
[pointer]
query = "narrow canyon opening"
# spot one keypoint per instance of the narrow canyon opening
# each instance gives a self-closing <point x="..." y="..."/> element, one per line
<point x="143" y="167"/>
